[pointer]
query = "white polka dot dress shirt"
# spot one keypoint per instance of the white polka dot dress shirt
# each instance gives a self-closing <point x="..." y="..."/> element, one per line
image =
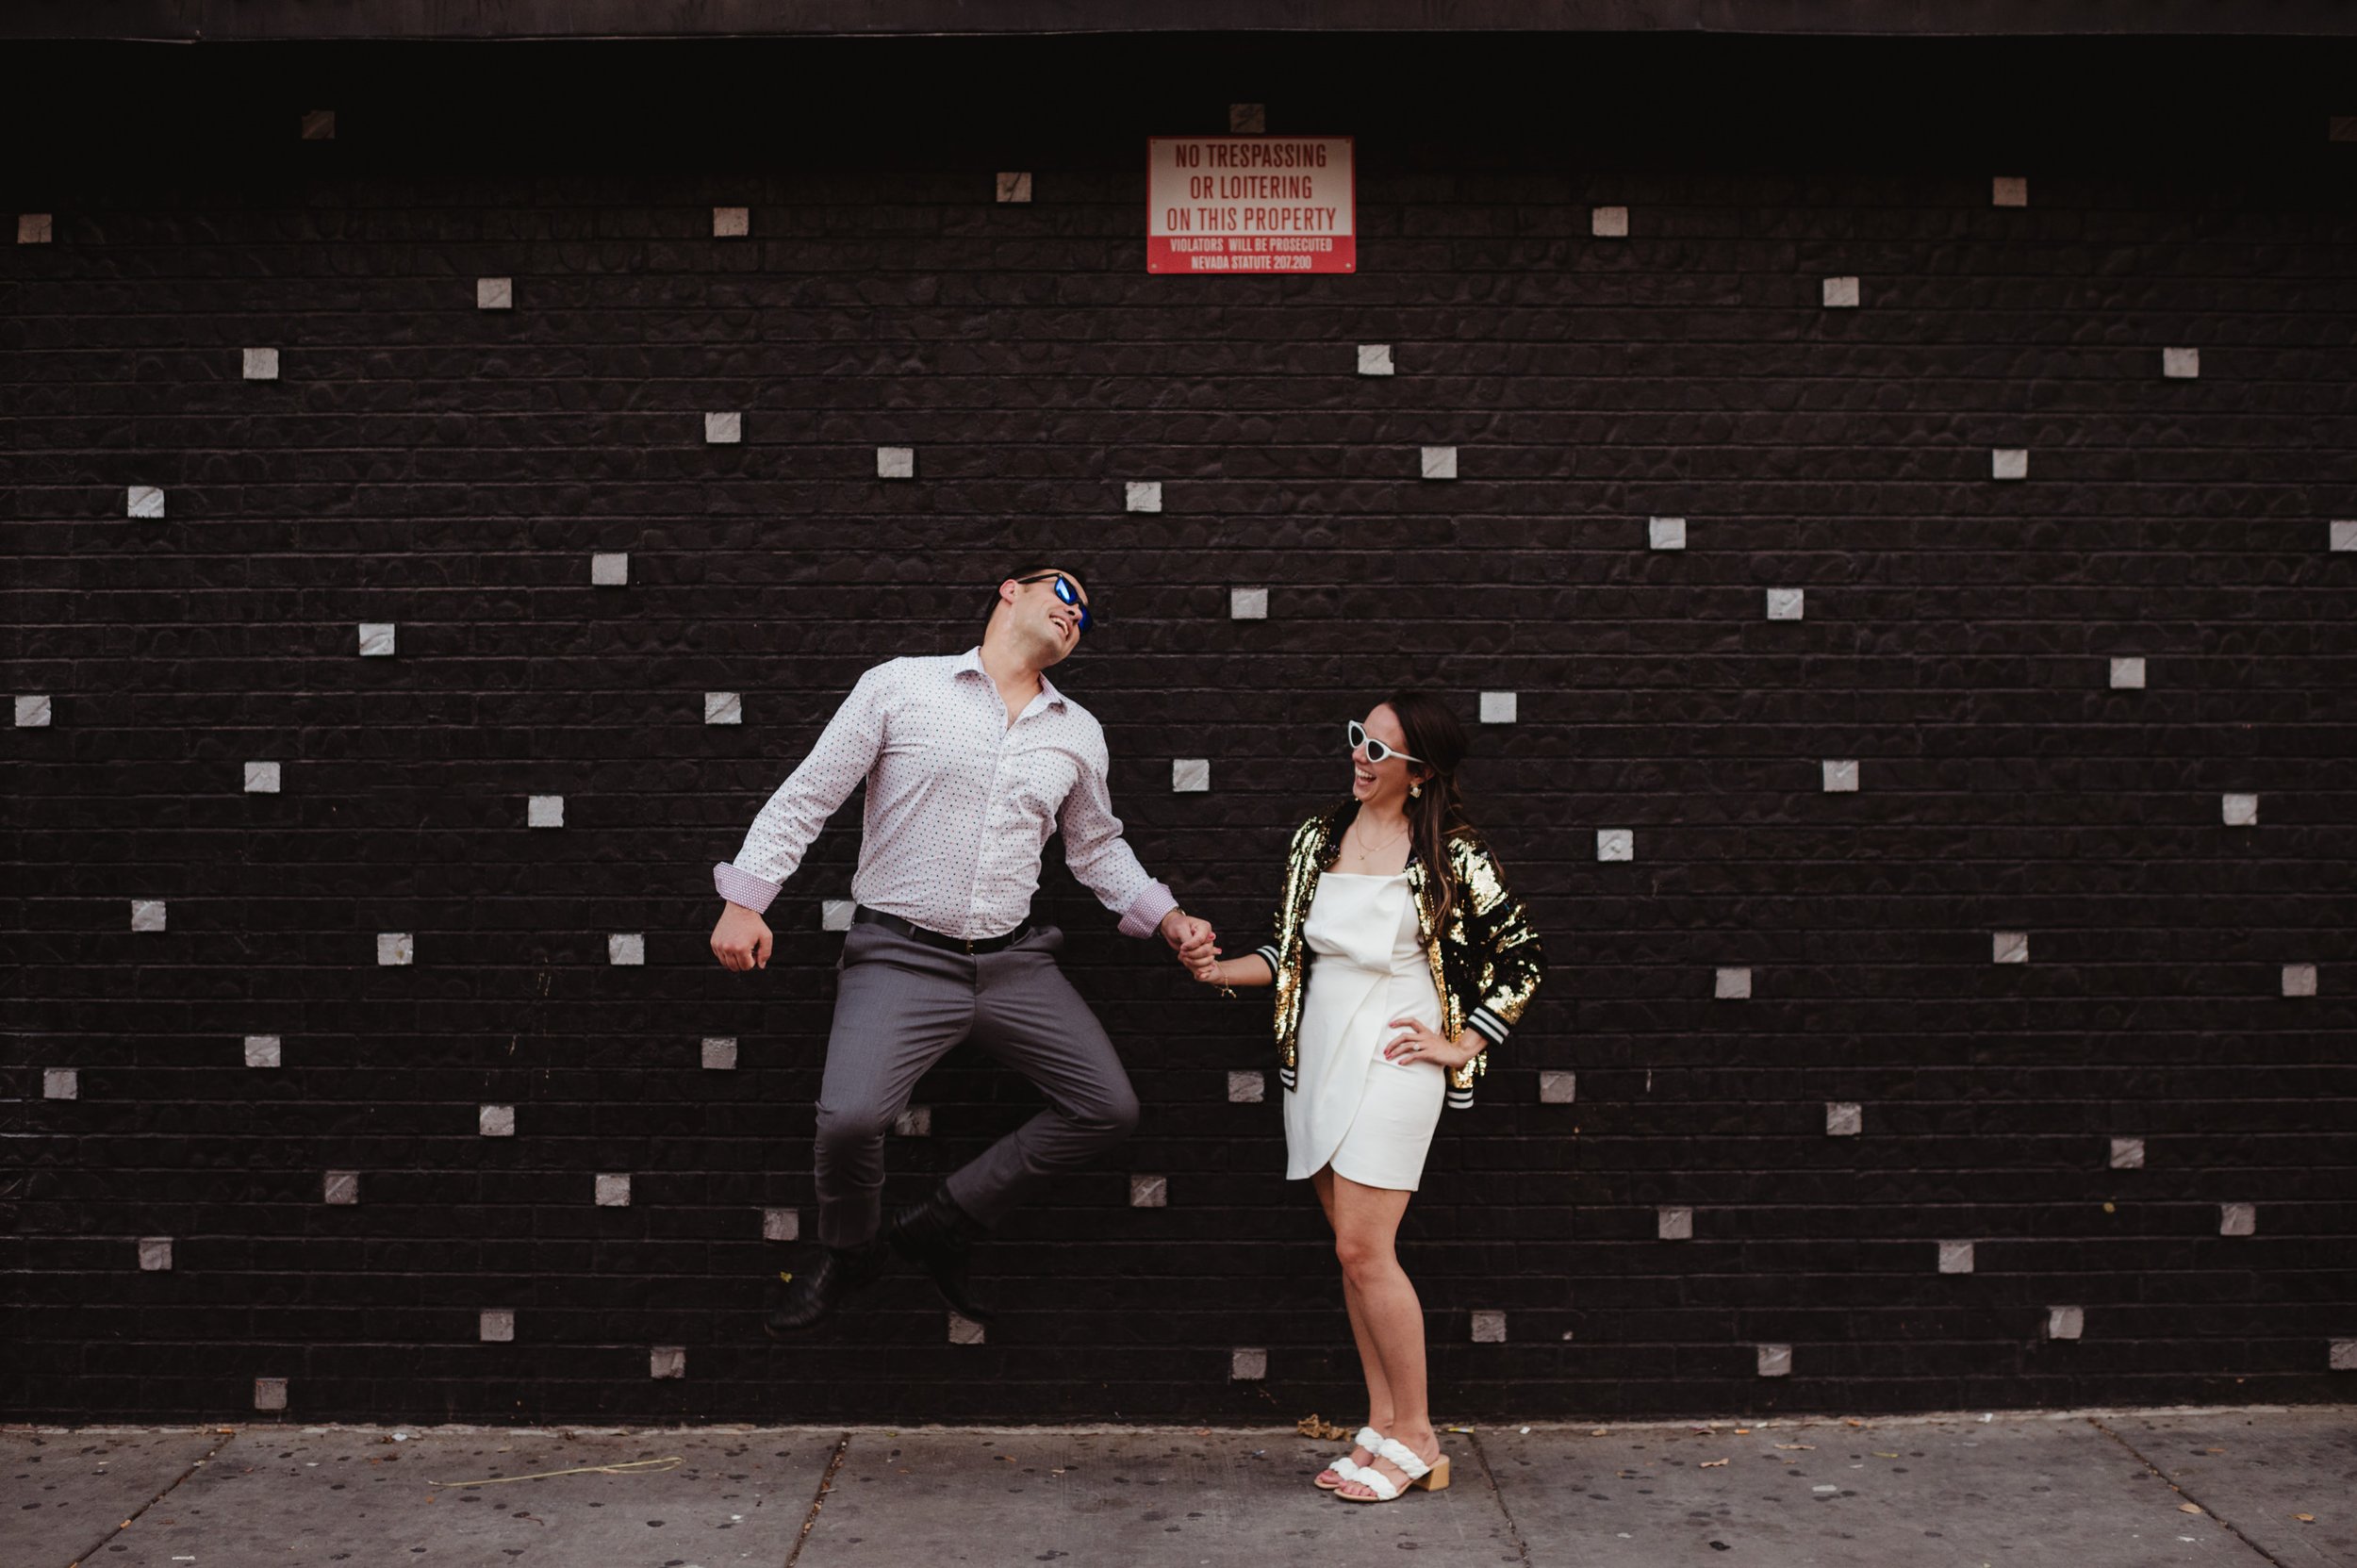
<point x="960" y="805"/>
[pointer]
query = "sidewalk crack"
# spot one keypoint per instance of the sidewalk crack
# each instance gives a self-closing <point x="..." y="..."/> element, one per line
<point x="2227" y="1524"/>
<point x="1514" y="1531"/>
<point x="228" y="1436"/>
<point x="819" y="1498"/>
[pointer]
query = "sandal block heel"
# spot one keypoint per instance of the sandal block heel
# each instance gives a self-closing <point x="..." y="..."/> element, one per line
<point x="1435" y="1479"/>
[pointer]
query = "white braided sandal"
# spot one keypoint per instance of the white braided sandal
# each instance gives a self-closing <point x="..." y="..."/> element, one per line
<point x="1432" y="1477"/>
<point x="1347" y="1469"/>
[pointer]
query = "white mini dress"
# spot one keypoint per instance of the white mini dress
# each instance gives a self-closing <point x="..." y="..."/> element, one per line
<point x="1370" y="1119"/>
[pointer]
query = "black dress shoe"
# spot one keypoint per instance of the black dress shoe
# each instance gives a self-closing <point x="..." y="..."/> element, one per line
<point x="826" y="1278"/>
<point x="938" y="1237"/>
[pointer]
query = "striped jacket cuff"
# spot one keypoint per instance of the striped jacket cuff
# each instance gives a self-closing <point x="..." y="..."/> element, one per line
<point x="1288" y="1078"/>
<point x="1460" y="1100"/>
<point x="1266" y="953"/>
<point x="1493" y="1029"/>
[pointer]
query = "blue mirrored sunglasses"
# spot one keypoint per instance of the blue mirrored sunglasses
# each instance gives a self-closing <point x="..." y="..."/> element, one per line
<point x="1064" y="590"/>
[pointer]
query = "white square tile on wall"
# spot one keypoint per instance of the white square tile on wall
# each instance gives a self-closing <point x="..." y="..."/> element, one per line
<point x="731" y="222"/>
<point x="1014" y="187"/>
<point x="1499" y="707"/>
<point x="1375" y="360"/>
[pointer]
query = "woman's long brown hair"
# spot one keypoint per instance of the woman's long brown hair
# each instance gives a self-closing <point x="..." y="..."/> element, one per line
<point x="1436" y="737"/>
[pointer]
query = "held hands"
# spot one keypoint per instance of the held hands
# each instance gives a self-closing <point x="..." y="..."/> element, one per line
<point x="1196" y="943"/>
<point x="1419" y="1043"/>
<point x="741" y="940"/>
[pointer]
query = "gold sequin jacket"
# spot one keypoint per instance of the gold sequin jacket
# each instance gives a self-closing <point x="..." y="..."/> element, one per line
<point x="1487" y="964"/>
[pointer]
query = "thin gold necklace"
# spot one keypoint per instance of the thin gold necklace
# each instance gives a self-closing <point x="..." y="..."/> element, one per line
<point x="1366" y="850"/>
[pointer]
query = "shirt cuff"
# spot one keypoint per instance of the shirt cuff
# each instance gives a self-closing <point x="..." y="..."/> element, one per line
<point x="1145" y="915"/>
<point x="743" y="887"/>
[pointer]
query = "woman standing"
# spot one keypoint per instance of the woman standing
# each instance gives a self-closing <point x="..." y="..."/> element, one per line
<point x="1399" y="959"/>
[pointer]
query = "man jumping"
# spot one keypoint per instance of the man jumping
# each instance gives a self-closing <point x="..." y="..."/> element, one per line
<point x="972" y="761"/>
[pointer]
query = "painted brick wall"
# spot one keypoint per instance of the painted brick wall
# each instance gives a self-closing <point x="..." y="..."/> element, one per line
<point x="1892" y="543"/>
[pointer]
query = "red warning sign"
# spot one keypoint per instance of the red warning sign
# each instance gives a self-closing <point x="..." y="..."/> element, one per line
<point x="1253" y="204"/>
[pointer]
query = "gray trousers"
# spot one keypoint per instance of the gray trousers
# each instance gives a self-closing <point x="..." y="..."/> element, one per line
<point x="901" y="1007"/>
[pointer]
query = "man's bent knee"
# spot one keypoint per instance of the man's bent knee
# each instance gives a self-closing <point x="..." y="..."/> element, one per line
<point x="852" y="1128"/>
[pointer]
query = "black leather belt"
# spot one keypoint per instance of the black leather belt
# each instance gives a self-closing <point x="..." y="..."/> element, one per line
<point x="866" y="916"/>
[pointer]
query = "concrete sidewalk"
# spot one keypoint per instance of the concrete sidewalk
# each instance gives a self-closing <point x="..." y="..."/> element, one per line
<point x="2078" y="1489"/>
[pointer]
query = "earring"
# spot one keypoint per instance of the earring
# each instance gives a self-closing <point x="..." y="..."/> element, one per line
<point x="1415" y="792"/>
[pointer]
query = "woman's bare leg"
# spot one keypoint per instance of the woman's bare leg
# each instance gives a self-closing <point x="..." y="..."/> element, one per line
<point x="1379" y="1406"/>
<point x="1366" y="1226"/>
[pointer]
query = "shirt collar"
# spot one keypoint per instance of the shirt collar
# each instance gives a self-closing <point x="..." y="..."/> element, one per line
<point x="971" y="664"/>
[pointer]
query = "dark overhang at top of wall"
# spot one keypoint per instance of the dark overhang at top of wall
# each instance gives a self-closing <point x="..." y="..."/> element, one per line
<point x="232" y="21"/>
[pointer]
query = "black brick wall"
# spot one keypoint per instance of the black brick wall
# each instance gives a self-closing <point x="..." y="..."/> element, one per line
<point x="451" y="471"/>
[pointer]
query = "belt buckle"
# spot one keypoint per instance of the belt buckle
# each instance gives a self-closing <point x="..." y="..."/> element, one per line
<point x="969" y="947"/>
